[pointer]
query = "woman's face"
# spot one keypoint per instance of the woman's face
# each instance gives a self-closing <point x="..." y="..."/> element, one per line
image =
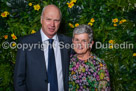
<point x="81" y="43"/>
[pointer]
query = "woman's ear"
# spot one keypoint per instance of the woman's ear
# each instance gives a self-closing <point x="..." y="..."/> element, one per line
<point x="91" y="44"/>
<point x="73" y="39"/>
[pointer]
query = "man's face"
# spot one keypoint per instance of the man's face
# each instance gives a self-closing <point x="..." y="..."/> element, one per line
<point x="50" y="21"/>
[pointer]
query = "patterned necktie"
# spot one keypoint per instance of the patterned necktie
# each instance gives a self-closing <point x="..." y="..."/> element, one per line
<point x="52" y="72"/>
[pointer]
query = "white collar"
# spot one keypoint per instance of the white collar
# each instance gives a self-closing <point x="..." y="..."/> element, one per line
<point x="45" y="38"/>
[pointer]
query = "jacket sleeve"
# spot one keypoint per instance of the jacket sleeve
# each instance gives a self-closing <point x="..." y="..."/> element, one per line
<point x="20" y="70"/>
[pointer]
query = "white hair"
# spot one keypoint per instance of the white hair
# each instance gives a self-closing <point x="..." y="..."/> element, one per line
<point x="84" y="29"/>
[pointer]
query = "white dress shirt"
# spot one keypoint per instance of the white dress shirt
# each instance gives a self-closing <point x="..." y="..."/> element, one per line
<point x="57" y="58"/>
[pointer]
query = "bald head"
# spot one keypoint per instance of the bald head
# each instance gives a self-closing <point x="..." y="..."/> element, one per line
<point x="49" y="7"/>
<point x="50" y="20"/>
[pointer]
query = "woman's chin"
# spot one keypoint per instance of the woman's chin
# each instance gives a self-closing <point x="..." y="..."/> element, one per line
<point x="79" y="52"/>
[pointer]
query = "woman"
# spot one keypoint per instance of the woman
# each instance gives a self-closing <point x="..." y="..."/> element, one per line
<point x="86" y="71"/>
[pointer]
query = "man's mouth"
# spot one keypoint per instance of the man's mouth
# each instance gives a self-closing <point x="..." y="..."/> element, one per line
<point x="51" y="29"/>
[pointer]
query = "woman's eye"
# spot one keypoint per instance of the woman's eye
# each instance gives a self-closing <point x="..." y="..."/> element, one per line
<point x="76" y="40"/>
<point x="84" y="40"/>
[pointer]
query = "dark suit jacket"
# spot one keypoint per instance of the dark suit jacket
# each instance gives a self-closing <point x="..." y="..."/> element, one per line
<point x="30" y="69"/>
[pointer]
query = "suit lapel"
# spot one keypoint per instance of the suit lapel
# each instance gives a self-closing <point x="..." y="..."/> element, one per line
<point x="63" y="58"/>
<point x="40" y="54"/>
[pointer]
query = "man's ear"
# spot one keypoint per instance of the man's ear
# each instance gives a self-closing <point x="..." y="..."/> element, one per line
<point x="91" y="44"/>
<point x="41" y="19"/>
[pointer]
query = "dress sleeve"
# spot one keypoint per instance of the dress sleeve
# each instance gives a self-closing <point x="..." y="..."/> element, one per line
<point x="104" y="78"/>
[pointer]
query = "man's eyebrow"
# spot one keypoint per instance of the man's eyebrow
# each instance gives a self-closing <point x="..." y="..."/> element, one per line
<point x="57" y="19"/>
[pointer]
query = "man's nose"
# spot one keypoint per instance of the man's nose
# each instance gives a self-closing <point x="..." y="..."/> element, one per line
<point x="52" y="23"/>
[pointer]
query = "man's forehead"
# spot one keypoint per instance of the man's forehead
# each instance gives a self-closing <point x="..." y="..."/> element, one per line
<point x="51" y="8"/>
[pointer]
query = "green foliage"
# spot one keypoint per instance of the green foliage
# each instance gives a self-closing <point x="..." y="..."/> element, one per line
<point x="6" y="76"/>
<point x="121" y="62"/>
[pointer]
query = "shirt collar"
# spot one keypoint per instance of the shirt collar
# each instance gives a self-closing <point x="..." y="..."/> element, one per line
<point x="45" y="38"/>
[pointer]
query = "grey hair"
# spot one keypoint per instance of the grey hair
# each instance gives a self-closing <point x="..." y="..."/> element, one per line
<point x="84" y="29"/>
<point x="53" y="5"/>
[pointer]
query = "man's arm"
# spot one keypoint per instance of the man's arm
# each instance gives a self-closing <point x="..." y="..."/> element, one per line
<point x="20" y="71"/>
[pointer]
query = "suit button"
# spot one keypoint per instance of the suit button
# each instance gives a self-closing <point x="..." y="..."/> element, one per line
<point x="46" y="81"/>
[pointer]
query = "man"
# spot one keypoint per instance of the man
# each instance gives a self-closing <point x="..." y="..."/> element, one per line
<point x="32" y="69"/>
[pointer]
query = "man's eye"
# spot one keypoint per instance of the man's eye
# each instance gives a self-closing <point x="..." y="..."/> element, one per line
<point x="48" y="19"/>
<point x="57" y="20"/>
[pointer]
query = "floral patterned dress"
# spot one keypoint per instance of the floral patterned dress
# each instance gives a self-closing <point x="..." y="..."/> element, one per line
<point x="88" y="75"/>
